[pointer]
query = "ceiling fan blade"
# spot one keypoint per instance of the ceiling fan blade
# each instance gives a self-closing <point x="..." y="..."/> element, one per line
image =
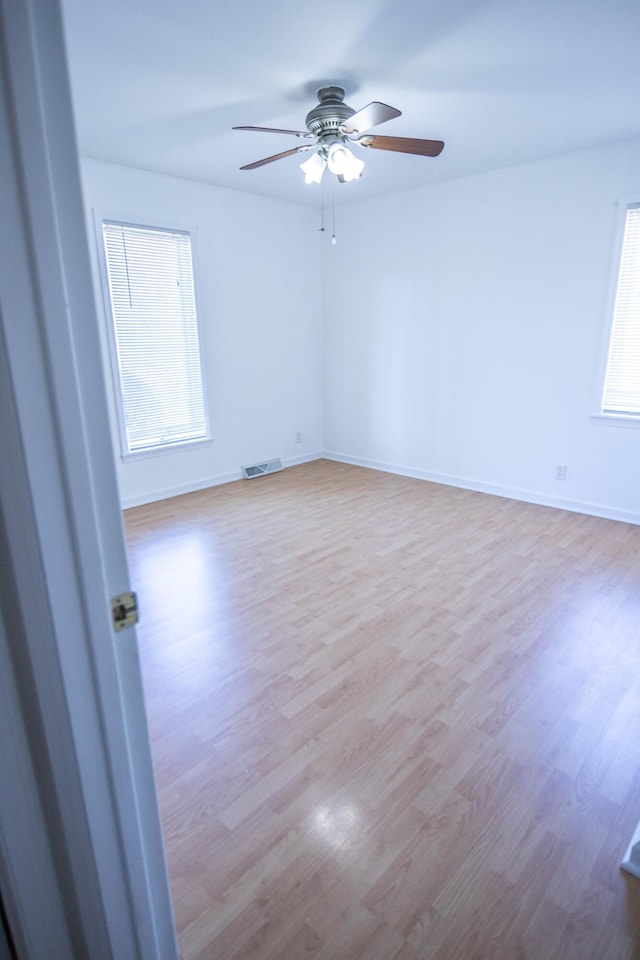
<point x="295" y="133"/>
<point x="277" y="156"/>
<point x="422" y="148"/>
<point x="370" y="116"/>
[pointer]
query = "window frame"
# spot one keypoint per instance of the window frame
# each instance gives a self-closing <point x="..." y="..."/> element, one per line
<point x="626" y="421"/>
<point x="101" y="218"/>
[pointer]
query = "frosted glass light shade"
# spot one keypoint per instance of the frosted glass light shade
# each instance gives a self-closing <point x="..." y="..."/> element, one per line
<point x="313" y="168"/>
<point x="343" y="162"/>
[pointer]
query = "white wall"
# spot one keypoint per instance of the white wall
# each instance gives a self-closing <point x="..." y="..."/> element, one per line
<point x="465" y="333"/>
<point x="259" y="301"/>
<point x="461" y="341"/>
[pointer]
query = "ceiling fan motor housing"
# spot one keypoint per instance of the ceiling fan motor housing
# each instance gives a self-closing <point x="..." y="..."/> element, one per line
<point x="325" y="120"/>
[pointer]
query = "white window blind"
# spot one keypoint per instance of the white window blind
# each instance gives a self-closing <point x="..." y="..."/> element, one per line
<point x="622" y="382"/>
<point x="156" y="335"/>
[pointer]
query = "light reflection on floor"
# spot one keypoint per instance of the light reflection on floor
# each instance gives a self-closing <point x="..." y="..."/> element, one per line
<point x="177" y="592"/>
<point x="334" y="823"/>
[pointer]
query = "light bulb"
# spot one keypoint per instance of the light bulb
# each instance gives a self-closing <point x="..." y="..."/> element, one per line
<point x="338" y="158"/>
<point x="313" y="168"/>
<point x="344" y="163"/>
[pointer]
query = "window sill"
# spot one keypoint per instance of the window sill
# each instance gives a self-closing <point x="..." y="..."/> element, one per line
<point x="612" y="420"/>
<point x="152" y="452"/>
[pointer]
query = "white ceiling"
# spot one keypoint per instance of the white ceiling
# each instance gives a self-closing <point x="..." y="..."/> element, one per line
<point x="158" y="84"/>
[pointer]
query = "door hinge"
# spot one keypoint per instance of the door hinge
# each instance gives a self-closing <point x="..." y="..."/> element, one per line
<point x="124" y="610"/>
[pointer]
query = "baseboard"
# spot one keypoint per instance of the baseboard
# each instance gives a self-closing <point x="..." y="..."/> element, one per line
<point x="306" y="458"/>
<point x="165" y="493"/>
<point x="480" y="486"/>
<point x="464" y="483"/>
<point x="151" y="496"/>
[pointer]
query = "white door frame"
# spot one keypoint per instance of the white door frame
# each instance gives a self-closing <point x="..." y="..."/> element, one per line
<point x="82" y="867"/>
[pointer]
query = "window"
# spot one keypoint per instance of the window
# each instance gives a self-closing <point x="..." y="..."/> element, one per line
<point x="155" y="336"/>
<point x="621" y="396"/>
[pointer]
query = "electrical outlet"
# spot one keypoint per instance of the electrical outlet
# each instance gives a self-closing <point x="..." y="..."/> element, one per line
<point x="298" y="437"/>
<point x="561" y="471"/>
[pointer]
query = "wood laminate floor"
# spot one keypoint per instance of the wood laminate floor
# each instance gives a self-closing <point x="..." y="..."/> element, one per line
<point x="391" y="720"/>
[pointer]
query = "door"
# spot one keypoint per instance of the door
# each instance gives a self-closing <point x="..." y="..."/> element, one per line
<point x="81" y="798"/>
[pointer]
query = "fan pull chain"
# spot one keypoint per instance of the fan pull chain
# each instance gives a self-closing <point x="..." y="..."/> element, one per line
<point x="321" y="227"/>
<point x="333" y="206"/>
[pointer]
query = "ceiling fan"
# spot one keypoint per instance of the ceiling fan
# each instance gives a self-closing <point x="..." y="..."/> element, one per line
<point x="333" y="126"/>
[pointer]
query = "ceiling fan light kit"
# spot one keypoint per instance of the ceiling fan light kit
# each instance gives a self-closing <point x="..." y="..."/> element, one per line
<point x="313" y="168"/>
<point x="334" y="127"/>
<point x="344" y="163"/>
